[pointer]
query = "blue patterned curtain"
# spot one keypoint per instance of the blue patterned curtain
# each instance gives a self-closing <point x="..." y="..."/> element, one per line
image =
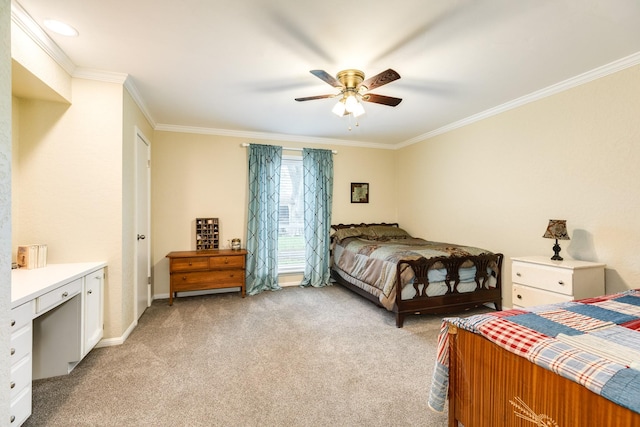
<point x="318" y="197"/>
<point x="262" y="224"/>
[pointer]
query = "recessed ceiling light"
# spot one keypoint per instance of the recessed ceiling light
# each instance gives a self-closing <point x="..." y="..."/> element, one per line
<point x="60" y="28"/>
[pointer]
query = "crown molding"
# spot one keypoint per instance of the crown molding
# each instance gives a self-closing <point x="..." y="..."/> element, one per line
<point x="605" y="70"/>
<point x="22" y="19"/>
<point x="270" y="136"/>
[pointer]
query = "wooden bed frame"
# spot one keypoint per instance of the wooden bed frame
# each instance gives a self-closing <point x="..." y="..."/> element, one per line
<point x="452" y="301"/>
<point x="490" y="386"/>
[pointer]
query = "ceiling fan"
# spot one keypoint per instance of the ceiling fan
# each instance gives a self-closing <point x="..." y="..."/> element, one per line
<point x="354" y="88"/>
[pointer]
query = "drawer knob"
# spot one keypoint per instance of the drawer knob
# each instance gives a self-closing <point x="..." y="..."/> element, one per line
<point x="518" y="274"/>
<point x="12" y="419"/>
<point x="13" y="322"/>
<point x="190" y="264"/>
<point x="65" y="294"/>
<point x="12" y="385"/>
<point x="560" y="282"/>
<point x="13" y="351"/>
<point x="184" y="277"/>
<point x="519" y="296"/>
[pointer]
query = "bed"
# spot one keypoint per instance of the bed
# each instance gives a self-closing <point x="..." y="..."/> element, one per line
<point x="434" y="277"/>
<point x="568" y="364"/>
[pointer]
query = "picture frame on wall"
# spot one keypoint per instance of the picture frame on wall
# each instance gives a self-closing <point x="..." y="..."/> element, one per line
<point x="359" y="192"/>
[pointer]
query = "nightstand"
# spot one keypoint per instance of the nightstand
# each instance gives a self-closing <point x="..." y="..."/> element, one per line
<point x="538" y="280"/>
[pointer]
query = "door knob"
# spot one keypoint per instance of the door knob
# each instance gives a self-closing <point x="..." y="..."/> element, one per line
<point x="141" y="237"/>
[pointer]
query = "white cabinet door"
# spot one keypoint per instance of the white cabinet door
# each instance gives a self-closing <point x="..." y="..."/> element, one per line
<point x="93" y="310"/>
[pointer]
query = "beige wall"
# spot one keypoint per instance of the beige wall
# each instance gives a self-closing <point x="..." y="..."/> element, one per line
<point x="69" y="174"/>
<point x="5" y="199"/>
<point x="194" y="175"/>
<point x="497" y="182"/>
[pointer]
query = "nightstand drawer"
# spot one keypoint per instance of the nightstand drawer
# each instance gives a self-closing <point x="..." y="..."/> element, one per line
<point x="543" y="277"/>
<point x="524" y="296"/>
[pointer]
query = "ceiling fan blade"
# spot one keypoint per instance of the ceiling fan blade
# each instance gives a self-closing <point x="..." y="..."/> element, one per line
<point x="380" y="79"/>
<point x="326" y="77"/>
<point x="310" y="98"/>
<point x="381" y="99"/>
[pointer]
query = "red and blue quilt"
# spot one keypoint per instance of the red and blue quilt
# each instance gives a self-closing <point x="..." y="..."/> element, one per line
<point x="594" y="342"/>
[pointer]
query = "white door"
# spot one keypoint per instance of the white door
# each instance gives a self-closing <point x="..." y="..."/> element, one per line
<point x="143" y="265"/>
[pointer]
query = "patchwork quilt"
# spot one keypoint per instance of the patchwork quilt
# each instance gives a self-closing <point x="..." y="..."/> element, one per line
<point x="594" y="342"/>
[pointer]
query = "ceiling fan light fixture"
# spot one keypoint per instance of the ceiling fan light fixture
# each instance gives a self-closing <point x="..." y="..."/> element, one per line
<point x="339" y="108"/>
<point x="358" y="110"/>
<point x="350" y="103"/>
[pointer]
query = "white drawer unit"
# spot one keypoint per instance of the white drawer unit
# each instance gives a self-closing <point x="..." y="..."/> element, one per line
<point x="20" y="357"/>
<point x="538" y="280"/>
<point x="56" y="319"/>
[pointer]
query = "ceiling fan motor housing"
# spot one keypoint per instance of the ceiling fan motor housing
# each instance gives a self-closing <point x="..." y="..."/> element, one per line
<point x="350" y="79"/>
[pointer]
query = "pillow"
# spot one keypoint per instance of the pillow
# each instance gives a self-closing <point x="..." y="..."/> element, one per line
<point x="343" y="233"/>
<point x="388" y="232"/>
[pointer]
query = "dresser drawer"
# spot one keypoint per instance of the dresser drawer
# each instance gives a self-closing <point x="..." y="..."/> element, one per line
<point x="20" y="344"/>
<point x="189" y="264"/>
<point x="542" y="277"/>
<point x="21" y="316"/>
<point x="20" y="376"/>
<point x="58" y="296"/>
<point x="207" y="280"/>
<point x="20" y="407"/>
<point x="524" y="296"/>
<point x="226" y="262"/>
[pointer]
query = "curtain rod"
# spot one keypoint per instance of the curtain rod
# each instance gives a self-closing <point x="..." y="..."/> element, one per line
<point x="244" y="144"/>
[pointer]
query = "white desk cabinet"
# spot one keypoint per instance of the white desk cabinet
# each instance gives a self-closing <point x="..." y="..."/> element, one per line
<point x="93" y="310"/>
<point x="20" y="357"/>
<point x="56" y="319"/>
<point x="538" y="280"/>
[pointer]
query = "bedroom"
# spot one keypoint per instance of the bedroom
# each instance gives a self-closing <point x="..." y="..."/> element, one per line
<point x="572" y="155"/>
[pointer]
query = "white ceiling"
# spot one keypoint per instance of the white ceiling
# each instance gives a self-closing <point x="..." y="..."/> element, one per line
<point x="235" y="66"/>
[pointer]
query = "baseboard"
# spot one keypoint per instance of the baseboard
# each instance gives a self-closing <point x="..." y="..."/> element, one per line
<point x="109" y="342"/>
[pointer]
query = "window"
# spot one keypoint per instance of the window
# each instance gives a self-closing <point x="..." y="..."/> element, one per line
<point x="291" y="216"/>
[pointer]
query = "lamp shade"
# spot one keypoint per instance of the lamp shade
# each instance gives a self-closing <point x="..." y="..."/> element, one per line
<point x="339" y="109"/>
<point x="557" y="229"/>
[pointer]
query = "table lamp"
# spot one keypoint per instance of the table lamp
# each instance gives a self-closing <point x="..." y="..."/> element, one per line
<point x="557" y="229"/>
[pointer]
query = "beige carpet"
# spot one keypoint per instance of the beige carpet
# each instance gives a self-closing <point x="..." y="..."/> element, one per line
<point x="295" y="357"/>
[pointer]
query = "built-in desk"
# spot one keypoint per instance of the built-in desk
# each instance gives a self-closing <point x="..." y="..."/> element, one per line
<point x="56" y="319"/>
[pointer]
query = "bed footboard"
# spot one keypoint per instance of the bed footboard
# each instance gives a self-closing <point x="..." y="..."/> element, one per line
<point x="517" y="392"/>
<point x="487" y="265"/>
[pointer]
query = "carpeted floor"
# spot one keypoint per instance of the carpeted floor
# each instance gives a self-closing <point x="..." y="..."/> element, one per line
<point x="295" y="357"/>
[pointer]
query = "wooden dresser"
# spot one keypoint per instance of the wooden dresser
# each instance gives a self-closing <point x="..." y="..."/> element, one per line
<point x="206" y="269"/>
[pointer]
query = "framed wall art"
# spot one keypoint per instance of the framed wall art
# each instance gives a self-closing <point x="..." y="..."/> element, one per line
<point x="359" y="192"/>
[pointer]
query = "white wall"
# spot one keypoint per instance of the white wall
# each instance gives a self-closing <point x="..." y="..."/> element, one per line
<point x="196" y="175"/>
<point x="5" y="200"/>
<point x="497" y="182"/>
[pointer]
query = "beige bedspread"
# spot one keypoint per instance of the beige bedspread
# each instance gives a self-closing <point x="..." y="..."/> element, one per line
<point x="374" y="262"/>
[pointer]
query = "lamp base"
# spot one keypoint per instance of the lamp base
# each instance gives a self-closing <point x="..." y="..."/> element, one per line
<point x="556" y="252"/>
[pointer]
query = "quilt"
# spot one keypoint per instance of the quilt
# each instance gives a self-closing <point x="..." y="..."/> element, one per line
<point x="594" y="342"/>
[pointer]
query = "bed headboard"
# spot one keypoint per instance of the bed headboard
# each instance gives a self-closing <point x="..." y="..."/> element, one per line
<point x="339" y="226"/>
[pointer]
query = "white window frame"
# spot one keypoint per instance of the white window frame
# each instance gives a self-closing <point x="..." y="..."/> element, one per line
<point x="291" y="221"/>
